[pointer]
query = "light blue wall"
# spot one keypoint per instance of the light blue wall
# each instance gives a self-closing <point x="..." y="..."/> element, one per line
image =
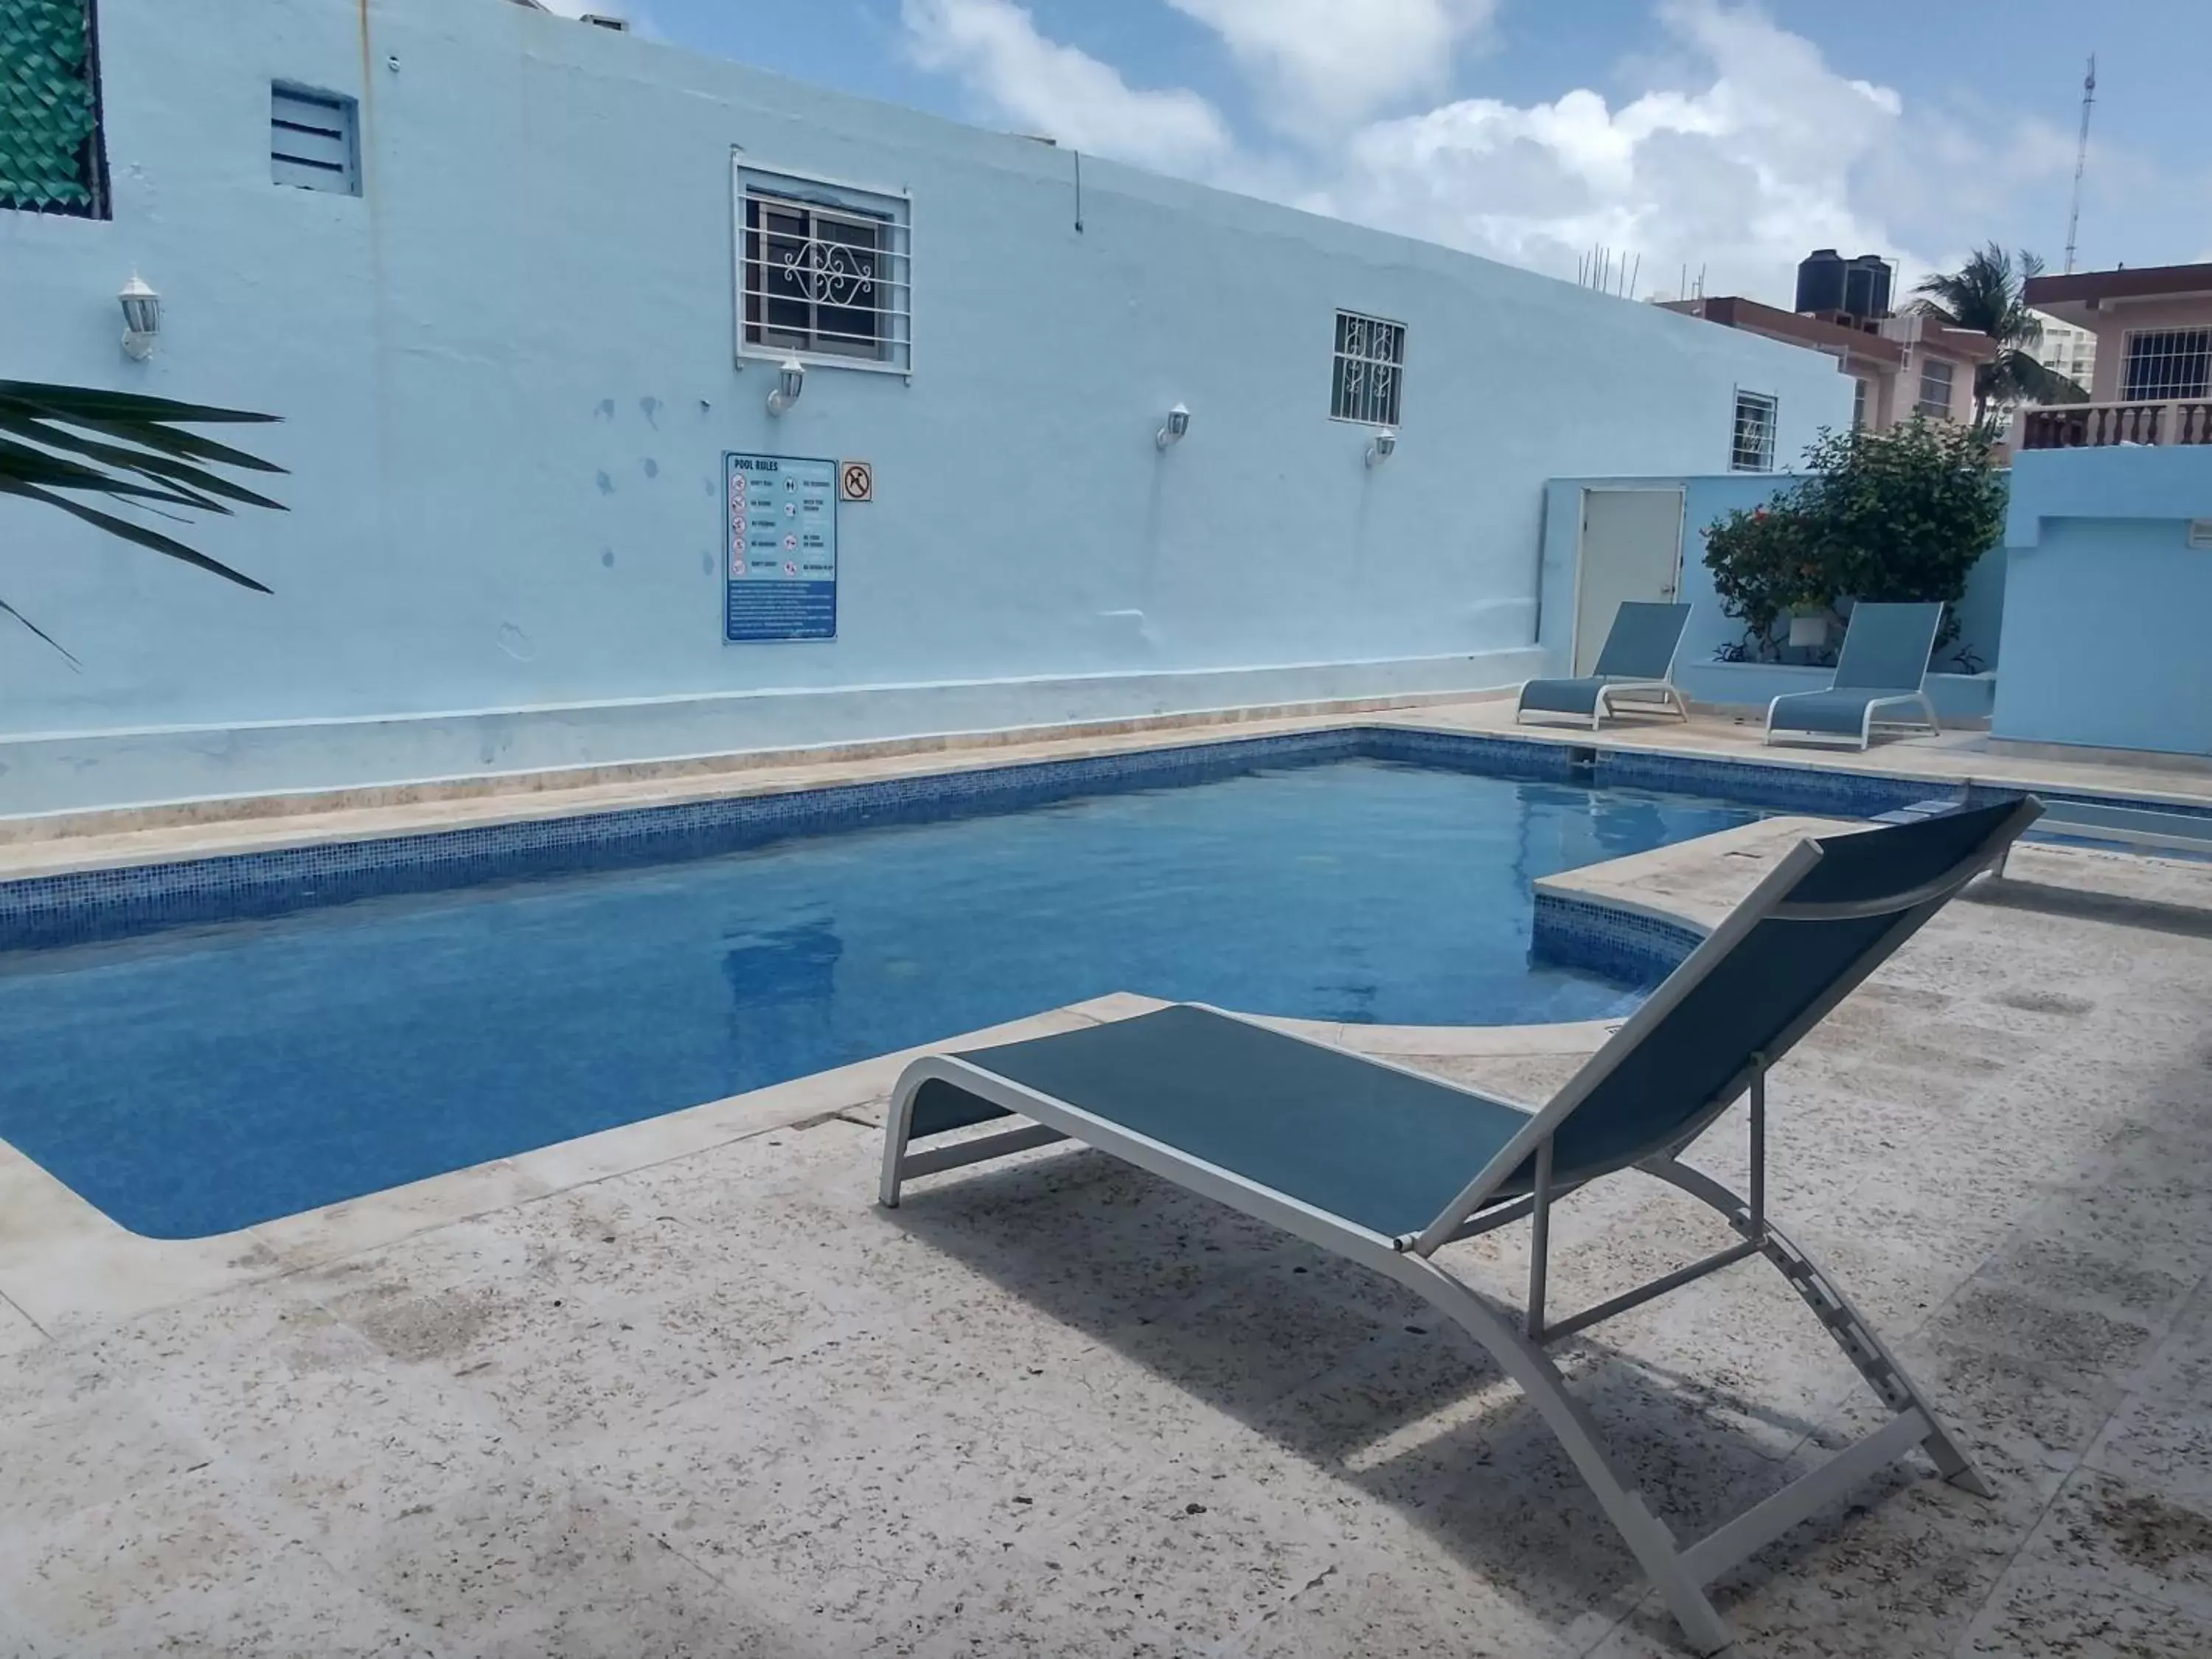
<point x="1706" y="500"/>
<point x="2106" y="606"/>
<point x="508" y="378"/>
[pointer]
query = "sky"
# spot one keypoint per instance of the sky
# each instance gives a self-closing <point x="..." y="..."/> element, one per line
<point x="1714" y="136"/>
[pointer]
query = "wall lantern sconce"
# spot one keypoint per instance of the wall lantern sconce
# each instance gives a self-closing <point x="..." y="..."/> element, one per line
<point x="142" y="318"/>
<point x="790" y="382"/>
<point x="1178" y="423"/>
<point x="1382" y="447"/>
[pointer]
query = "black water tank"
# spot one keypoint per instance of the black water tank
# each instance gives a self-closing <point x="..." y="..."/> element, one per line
<point x="1866" y="286"/>
<point x="1821" y="281"/>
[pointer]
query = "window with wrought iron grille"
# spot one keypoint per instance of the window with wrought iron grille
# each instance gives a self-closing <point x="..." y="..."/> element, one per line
<point x="1753" y="448"/>
<point x="2164" y="363"/>
<point x="51" y="159"/>
<point x="1858" y="403"/>
<point x="1936" y="382"/>
<point x="1370" y="367"/>
<point x="823" y="273"/>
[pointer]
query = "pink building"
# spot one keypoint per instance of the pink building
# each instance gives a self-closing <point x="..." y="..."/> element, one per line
<point x="2153" y="361"/>
<point x="1903" y="365"/>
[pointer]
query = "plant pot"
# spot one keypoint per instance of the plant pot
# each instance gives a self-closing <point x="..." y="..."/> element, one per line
<point x="1809" y="629"/>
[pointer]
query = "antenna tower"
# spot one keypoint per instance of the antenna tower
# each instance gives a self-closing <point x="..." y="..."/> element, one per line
<point x="2080" y="160"/>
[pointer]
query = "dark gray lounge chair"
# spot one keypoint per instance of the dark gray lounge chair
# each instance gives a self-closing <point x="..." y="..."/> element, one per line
<point x="1385" y="1167"/>
<point x="1635" y="670"/>
<point x="1883" y="666"/>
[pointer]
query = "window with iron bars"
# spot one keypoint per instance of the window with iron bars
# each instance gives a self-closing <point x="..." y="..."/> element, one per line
<point x="823" y="273"/>
<point x="1936" y="382"/>
<point x="2164" y="363"/>
<point x="1370" y="367"/>
<point x="1752" y="449"/>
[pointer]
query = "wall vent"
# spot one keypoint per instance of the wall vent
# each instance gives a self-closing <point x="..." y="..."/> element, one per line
<point x="314" y="140"/>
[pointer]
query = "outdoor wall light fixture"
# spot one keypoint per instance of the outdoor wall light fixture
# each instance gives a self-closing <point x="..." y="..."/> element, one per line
<point x="1178" y="423"/>
<point x="142" y="318"/>
<point x="1382" y="447"/>
<point x="790" y="382"/>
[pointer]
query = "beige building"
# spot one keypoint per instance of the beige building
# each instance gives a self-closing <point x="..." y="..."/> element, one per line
<point x="1902" y="365"/>
<point x="2151" y="378"/>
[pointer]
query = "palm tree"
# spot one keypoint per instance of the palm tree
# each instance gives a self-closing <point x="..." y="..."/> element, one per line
<point x="1985" y="295"/>
<point x="59" y="442"/>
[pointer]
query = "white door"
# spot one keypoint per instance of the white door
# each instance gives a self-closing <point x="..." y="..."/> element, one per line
<point x="1631" y="549"/>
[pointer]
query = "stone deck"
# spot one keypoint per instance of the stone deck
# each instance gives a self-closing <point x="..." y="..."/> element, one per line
<point x="718" y="1403"/>
<point x="42" y="845"/>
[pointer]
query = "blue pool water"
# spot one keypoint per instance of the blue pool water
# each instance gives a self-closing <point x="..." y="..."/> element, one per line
<point x="194" y="1082"/>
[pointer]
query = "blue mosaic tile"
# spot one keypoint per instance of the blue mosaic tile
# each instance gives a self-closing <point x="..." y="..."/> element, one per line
<point x="105" y="904"/>
<point x="1750" y="783"/>
<point x="1582" y="933"/>
<point x="1499" y="757"/>
<point x="115" y="903"/>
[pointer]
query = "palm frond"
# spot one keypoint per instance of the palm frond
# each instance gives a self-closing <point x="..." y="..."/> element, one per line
<point x="42" y="634"/>
<point x="65" y="403"/>
<point x="156" y="466"/>
<point x="62" y="442"/>
<point x="128" y="531"/>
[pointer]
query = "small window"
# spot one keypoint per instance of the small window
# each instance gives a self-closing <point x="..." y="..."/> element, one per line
<point x="2167" y="362"/>
<point x="312" y="141"/>
<point x="1753" y="449"/>
<point x="823" y="273"/>
<point x="1370" y="367"/>
<point x="1858" y="405"/>
<point x="1936" y="378"/>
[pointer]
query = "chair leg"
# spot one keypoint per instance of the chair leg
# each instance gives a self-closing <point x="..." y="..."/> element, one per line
<point x="1889" y="1380"/>
<point x="898" y="1120"/>
<point x="1647" y="1536"/>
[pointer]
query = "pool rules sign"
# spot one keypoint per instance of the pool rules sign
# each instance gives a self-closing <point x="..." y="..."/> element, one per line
<point x="780" y="573"/>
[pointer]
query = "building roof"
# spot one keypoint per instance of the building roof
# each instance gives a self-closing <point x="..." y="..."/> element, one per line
<point x="2079" y="298"/>
<point x="1731" y="311"/>
<point x="1859" y="347"/>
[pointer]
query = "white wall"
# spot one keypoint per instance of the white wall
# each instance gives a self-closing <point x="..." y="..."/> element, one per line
<point x="507" y="381"/>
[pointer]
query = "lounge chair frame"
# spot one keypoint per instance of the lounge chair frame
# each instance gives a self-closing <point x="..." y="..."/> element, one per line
<point x="1872" y="715"/>
<point x="1643" y="696"/>
<point x="1642" y="693"/>
<point x="1871" y="723"/>
<point x="1518" y="1339"/>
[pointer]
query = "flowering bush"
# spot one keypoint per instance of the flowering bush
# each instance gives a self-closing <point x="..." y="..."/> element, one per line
<point x="1903" y="515"/>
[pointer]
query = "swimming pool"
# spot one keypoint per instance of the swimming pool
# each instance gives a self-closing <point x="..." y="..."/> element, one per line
<point x="201" y="1080"/>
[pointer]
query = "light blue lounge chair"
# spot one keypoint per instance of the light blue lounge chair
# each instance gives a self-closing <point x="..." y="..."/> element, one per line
<point x="1385" y="1167"/>
<point x="1636" y="670"/>
<point x="1884" y="666"/>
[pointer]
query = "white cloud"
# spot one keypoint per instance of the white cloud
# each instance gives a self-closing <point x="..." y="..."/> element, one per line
<point x="1044" y="88"/>
<point x="1742" y="172"/>
<point x="1329" y="63"/>
<point x="1743" y="150"/>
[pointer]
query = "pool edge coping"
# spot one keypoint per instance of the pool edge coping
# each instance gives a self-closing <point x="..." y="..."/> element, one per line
<point x="114" y="894"/>
<point x="74" y="1263"/>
